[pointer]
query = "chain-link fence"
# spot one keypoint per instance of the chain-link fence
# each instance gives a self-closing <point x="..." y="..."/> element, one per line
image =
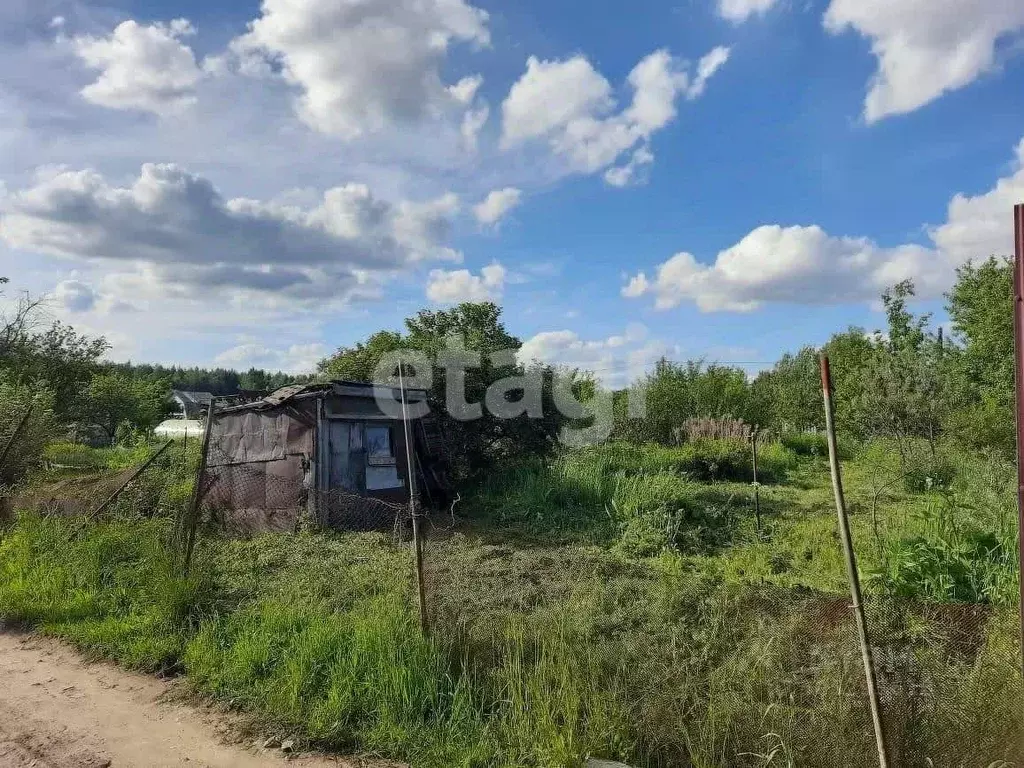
<point x="671" y="660"/>
<point x="705" y="662"/>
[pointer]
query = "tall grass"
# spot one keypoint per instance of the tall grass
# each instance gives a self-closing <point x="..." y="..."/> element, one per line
<point x="548" y="653"/>
<point x="111" y="589"/>
<point x="646" y="498"/>
<point x="653" y="665"/>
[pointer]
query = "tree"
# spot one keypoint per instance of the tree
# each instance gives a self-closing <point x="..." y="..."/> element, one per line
<point x="38" y="428"/>
<point x="675" y="392"/>
<point x="980" y="306"/>
<point x="475" y="439"/>
<point x="357" y="363"/>
<point x="56" y="357"/>
<point x="902" y="392"/>
<point x="116" y="399"/>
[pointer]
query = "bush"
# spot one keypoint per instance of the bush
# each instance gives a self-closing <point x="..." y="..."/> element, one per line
<point x="806" y="443"/>
<point x="974" y="567"/>
<point x="15" y="401"/>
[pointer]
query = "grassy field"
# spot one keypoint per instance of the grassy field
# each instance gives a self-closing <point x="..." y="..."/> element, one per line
<point x="618" y="602"/>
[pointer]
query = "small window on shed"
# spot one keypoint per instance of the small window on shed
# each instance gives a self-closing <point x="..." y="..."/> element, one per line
<point x="381" y="467"/>
<point x="379" y="451"/>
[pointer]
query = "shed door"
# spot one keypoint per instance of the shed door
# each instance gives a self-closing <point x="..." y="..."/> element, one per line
<point x="348" y="459"/>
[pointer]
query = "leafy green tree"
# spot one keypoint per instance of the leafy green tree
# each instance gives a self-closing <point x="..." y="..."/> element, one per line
<point x="903" y="392"/>
<point x="39" y="427"/>
<point x="55" y="357"/>
<point x="116" y="399"/>
<point x="789" y="395"/>
<point x="358" y="362"/>
<point x="980" y="306"/>
<point x="675" y="392"/>
<point x="476" y="438"/>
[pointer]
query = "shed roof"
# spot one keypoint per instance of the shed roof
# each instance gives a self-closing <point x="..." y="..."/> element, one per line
<point x="192" y="398"/>
<point x="338" y="387"/>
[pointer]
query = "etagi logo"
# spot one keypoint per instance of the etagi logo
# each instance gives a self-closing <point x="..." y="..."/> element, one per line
<point x="511" y="397"/>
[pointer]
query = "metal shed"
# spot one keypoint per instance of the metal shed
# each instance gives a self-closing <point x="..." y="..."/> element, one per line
<point x="327" y="453"/>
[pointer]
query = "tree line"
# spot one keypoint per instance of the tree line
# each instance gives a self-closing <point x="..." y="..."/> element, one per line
<point x="909" y="381"/>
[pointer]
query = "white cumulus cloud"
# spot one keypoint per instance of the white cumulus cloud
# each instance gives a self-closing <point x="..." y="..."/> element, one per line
<point x="616" y="360"/>
<point x="741" y="10"/>
<point x="571" y="106"/>
<point x="926" y="48"/>
<point x="141" y="67"/>
<point x="452" y="287"/>
<point x="498" y="202"/>
<point x="806" y="265"/>
<point x="177" y="229"/>
<point x="361" y="65"/>
<point x="295" y="358"/>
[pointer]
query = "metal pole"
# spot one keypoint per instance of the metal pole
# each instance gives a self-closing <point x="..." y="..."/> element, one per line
<point x="14" y="435"/>
<point x="142" y="468"/>
<point x="1018" y="347"/>
<point x="417" y="540"/>
<point x="192" y="521"/>
<point x="757" y="487"/>
<point x="851" y="566"/>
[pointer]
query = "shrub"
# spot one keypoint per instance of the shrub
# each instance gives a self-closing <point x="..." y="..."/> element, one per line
<point x="720" y="428"/>
<point x="730" y="459"/>
<point x="806" y="443"/>
<point x="970" y="568"/>
<point x="26" y="451"/>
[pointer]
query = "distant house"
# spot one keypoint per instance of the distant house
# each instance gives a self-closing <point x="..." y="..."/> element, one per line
<point x="333" y="454"/>
<point x="191" y="405"/>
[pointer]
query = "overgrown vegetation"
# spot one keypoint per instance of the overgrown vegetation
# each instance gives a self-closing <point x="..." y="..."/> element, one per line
<point x="620" y="601"/>
<point x="545" y="652"/>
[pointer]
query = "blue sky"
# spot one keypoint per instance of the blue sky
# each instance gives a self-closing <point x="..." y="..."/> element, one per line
<point x="728" y="179"/>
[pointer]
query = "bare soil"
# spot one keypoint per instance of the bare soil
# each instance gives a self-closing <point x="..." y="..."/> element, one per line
<point x="59" y="711"/>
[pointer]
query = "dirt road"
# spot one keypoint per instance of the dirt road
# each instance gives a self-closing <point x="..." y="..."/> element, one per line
<point x="57" y="711"/>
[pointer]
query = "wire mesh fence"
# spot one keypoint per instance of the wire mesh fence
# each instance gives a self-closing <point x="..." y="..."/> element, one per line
<point x="730" y="671"/>
<point x="245" y="498"/>
<point x="723" y="649"/>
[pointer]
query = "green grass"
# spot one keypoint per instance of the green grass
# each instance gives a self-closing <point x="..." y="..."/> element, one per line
<point x="556" y="635"/>
<point x="85" y="457"/>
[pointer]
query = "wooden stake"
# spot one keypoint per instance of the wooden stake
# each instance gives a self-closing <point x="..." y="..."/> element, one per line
<point x="851" y="566"/>
<point x="142" y="468"/>
<point x="192" y="521"/>
<point x="757" y="487"/>
<point x="417" y="540"/>
<point x="17" y="431"/>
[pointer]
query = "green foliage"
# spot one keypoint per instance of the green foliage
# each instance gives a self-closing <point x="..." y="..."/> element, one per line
<point x="674" y="393"/>
<point x="964" y="545"/>
<point x="359" y="362"/>
<point x="218" y="381"/>
<point x="805" y="443"/>
<point x="27" y="449"/>
<point x="474" y="443"/>
<point x="116" y="399"/>
<point x="112" y="590"/>
<point x="648" y="664"/>
<point x="645" y="499"/>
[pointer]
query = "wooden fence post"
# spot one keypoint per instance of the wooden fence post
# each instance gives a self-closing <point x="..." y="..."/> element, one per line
<point x="757" y="487"/>
<point x="192" y="518"/>
<point x="417" y="538"/>
<point x="142" y="468"/>
<point x="14" y="435"/>
<point x="851" y="566"/>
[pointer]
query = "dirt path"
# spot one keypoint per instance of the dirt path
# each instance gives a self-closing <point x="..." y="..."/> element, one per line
<point x="58" y="711"/>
